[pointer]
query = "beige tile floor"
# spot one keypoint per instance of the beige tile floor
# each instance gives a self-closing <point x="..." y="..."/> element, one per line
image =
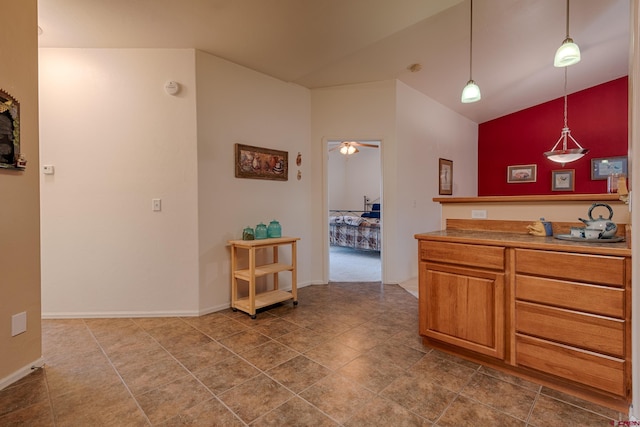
<point x="348" y="354"/>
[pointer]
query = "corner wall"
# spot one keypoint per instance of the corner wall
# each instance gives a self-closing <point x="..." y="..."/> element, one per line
<point x="20" y="212"/>
<point x="415" y="131"/>
<point x="239" y="105"/>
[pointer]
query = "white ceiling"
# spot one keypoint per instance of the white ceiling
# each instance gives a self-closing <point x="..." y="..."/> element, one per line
<point x="319" y="43"/>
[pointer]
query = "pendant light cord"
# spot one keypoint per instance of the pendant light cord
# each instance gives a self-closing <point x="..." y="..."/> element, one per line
<point x="471" y="41"/>
<point x="567" y="18"/>
<point x="565" y="98"/>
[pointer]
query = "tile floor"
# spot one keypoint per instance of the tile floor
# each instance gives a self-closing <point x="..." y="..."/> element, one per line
<point x="348" y="354"/>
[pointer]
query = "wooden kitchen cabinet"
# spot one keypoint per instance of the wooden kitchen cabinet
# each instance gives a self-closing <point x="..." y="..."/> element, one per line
<point x="547" y="310"/>
<point x="255" y="300"/>
<point x="579" y="329"/>
<point x="463" y="296"/>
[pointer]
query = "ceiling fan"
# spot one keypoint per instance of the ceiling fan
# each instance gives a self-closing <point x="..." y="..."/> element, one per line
<point x="351" y="147"/>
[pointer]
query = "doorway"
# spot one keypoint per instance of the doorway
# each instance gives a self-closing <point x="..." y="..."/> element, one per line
<point x="354" y="192"/>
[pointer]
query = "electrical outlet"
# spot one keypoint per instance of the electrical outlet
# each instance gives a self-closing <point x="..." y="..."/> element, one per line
<point x="18" y="323"/>
<point x="479" y="214"/>
<point x="156" y="205"/>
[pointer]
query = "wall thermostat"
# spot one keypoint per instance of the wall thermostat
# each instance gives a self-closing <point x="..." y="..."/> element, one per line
<point x="171" y="87"/>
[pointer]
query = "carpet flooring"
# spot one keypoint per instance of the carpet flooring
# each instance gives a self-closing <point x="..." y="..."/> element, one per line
<point x="351" y="265"/>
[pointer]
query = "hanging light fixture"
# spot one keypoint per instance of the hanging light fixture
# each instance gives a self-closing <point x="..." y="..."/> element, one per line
<point x="565" y="154"/>
<point x="568" y="53"/>
<point x="471" y="92"/>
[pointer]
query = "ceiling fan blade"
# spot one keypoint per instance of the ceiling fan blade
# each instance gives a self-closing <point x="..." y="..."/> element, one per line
<point x="334" y="148"/>
<point x="361" y="144"/>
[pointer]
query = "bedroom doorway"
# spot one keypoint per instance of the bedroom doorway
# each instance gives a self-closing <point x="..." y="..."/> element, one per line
<point x="355" y="210"/>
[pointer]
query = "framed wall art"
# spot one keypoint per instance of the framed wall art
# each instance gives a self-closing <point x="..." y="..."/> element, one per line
<point x="261" y="163"/>
<point x="10" y="157"/>
<point x="522" y="173"/>
<point x="445" y="177"/>
<point x="603" y="167"/>
<point x="563" y="180"/>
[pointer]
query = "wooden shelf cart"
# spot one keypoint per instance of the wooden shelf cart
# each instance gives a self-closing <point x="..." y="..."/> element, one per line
<point x="253" y="301"/>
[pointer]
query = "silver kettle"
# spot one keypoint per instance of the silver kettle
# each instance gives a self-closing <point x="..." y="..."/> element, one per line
<point x="607" y="228"/>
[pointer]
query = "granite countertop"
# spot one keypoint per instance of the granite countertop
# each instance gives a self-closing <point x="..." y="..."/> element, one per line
<point x="526" y="241"/>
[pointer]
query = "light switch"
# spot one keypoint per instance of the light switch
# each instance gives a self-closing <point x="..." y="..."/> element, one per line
<point x="47" y="169"/>
<point x="156" y="205"/>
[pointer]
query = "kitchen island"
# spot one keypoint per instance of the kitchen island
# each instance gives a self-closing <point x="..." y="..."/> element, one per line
<point x="554" y="311"/>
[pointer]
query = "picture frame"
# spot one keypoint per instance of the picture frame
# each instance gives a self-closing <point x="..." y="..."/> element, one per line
<point x="261" y="163"/>
<point x="602" y="167"/>
<point x="563" y="180"/>
<point x="522" y="173"/>
<point x="445" y="177"/>
<point x="10" y="157"/>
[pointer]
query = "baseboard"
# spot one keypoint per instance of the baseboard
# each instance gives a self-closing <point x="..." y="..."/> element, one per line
<point x="117" y="314"/>
<point x="125" y="314"/>
<point x="21" y="373"/>
<point x="214" y="309"/>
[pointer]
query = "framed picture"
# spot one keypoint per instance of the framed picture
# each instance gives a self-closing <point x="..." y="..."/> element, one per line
<point x="10" y="132"/>
<point x="562" y="180"/>
<point x="261" y="163"/>
<point x="603" y="167"/>
<point x="445" y="177"/>
<point x="522" y="173"/>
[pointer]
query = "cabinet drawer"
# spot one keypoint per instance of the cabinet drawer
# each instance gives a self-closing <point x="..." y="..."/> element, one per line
<point x="606" y="270"/>
<point x="602" y="372"/>
<point x="596" y="333"/>
<point x="575" y="296"/>
<point x="457" y="253"/>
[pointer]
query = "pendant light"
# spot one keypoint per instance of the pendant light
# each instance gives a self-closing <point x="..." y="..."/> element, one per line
<point x="568" y="53"/>
<point x="471" y="92"/>
<point x="565" y="154"/>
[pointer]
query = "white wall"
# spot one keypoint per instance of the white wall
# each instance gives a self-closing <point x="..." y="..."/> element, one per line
<point x="117" y="140"/>
<point x="427" y="131"/>
<point x="238" y="105"/>
<point x="353" y="177"/>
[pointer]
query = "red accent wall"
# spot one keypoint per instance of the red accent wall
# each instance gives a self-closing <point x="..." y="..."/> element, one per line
<point x="598" y="119"/>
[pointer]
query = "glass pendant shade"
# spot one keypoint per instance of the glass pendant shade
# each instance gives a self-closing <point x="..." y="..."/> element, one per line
<point x="470" y="93"/>
<point x="565" y="154"/>
<point x="567" y="54"/>
<point x="348" y="149"/>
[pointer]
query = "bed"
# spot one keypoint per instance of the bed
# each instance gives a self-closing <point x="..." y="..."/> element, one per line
<point x="356" y="229"/>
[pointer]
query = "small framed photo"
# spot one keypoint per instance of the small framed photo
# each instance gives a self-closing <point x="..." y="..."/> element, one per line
<point x="522" y="173"/>
<point x="603" y="167"/>
<point x="563" y="180"/>
<point x="445" y="177"/>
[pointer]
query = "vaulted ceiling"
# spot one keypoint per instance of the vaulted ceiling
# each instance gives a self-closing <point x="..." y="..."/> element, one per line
<point x="320" y="43"/>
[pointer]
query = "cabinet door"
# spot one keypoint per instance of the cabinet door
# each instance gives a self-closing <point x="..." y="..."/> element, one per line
<point x="463" y="307"/>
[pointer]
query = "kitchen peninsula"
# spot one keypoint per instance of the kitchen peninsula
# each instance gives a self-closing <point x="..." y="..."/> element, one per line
<point x="546" y="309"/>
